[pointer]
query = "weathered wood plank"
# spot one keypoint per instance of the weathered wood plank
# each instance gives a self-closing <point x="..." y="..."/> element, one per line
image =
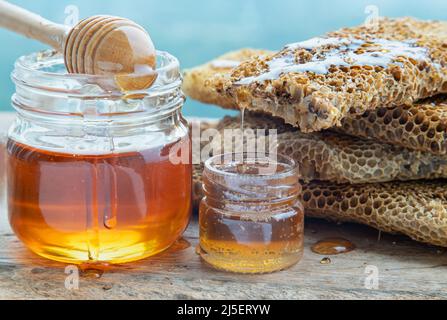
<point x="406" y="270"/>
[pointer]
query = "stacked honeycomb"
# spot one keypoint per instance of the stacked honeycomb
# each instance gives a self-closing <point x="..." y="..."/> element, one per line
<point x="417" y="209"/>
<point x="422" y="126"/>
<point x="382" y="160"/>
<point x="334" y="157"/>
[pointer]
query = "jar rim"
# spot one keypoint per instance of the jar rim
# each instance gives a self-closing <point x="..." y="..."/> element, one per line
<point x="45" y="70"/>
<point x="212" y="163"/>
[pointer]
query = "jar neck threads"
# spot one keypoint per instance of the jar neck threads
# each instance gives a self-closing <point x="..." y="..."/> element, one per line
<point x="44" y="89"/>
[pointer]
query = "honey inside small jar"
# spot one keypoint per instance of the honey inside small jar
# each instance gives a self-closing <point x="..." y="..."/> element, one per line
<point x="251" y="220"/>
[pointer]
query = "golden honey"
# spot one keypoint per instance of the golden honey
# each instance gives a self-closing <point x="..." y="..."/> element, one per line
<point x="113" y="208"/>
<point x="251" y="222"/>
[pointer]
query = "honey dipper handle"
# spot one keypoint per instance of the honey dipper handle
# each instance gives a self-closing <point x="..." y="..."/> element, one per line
<point x="32" y="25"/>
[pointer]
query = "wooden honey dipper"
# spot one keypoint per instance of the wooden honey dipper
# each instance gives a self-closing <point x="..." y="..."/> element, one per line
<point x="99" y="45"/>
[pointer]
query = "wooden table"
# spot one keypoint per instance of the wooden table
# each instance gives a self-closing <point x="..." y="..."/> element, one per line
<point x="406" y="269"/>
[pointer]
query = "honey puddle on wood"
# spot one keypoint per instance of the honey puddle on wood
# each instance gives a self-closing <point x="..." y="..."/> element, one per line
<point x="333" y="246"/>
<point x="93" y="269"/>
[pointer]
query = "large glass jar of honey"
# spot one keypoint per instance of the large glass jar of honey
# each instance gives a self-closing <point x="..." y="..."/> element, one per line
<point x="97" y="175"/>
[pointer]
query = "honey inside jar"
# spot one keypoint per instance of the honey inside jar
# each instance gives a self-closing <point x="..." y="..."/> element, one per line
<point x="251" y="220"/>
<point x="114" y="207"/>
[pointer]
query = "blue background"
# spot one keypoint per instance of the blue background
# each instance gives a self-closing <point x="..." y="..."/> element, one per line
<point x="198" y="30"/>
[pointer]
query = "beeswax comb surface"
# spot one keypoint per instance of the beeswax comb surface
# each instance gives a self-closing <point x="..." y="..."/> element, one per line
<point x="331" y="156"/>
<point x="421" y="126"/>
<point x="416" y="209"/>
<point x="315" y="84"/>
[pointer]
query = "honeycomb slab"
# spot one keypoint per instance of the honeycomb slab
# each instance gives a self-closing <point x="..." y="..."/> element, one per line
<point x="416" y="209"/>
<point x="317" y="83"/>
<point x="328" y="156"/>
<point x="421" y="126"/>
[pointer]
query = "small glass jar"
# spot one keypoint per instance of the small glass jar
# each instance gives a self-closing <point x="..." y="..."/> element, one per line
<point x="251" y="219"/>
<point x="94" y="174"/>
